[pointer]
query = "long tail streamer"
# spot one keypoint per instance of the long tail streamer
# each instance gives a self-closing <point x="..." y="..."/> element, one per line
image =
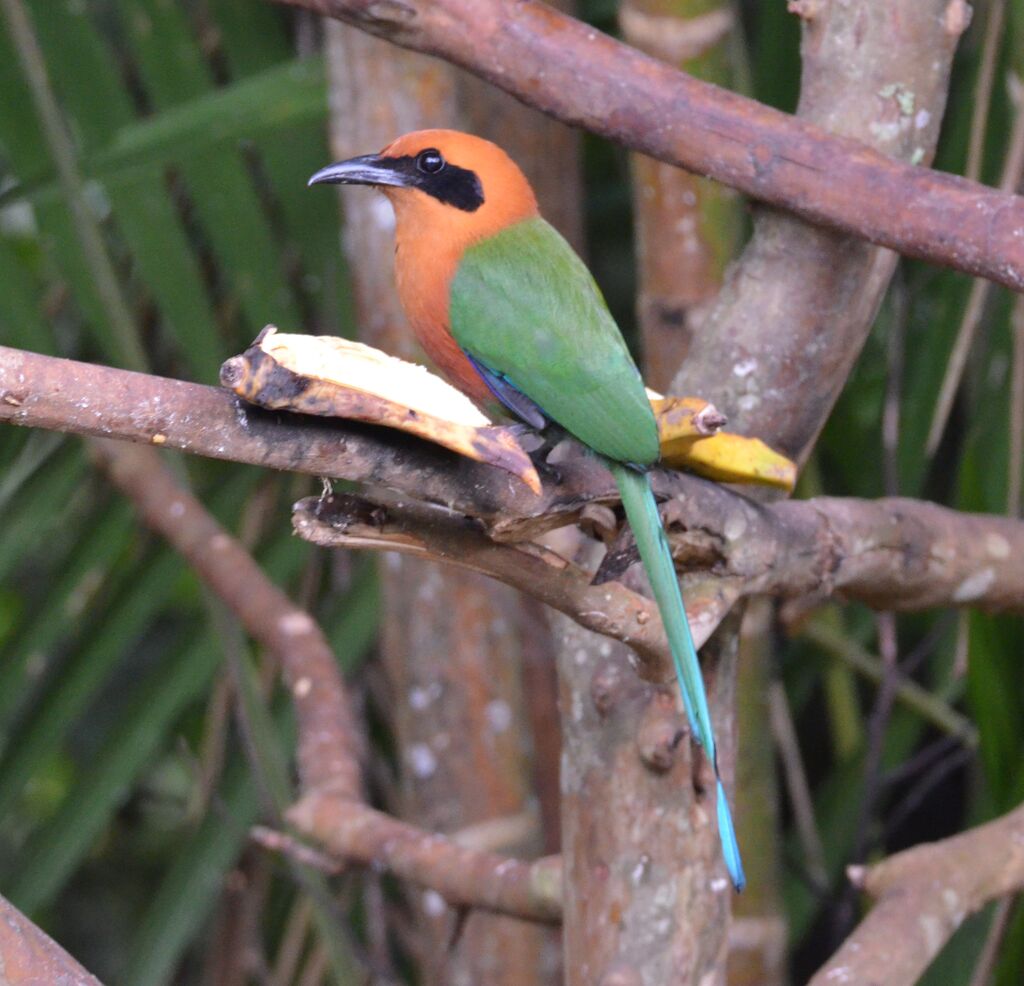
<point x="642" y="514"/>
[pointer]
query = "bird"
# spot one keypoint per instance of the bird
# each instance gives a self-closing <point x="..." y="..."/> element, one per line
<point x="511" y="316"/>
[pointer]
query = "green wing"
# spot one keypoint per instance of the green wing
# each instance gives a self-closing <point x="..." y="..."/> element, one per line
<point x="524" y="306"/>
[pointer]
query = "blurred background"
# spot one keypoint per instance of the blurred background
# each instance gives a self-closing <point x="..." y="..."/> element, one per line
<point x="158" y="222"/>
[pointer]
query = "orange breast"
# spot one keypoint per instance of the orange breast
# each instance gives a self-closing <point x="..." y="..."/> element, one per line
<point x="432" y="236"/>
<point x="423" y="271"/>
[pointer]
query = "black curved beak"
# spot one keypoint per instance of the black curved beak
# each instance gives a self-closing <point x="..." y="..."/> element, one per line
<point x="370" y="169"/>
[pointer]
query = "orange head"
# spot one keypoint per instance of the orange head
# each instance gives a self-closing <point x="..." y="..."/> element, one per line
<point x="449" y="191"/>
<point x="442" y="183"/>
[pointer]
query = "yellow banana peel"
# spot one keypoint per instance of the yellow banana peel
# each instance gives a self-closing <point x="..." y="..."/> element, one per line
<point x="338" y="378"/>
<point x="688" y="428"/>
<point x="730" y="458"/>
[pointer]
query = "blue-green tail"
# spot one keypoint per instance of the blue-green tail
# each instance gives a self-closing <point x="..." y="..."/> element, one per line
<point x="643" y="517"/>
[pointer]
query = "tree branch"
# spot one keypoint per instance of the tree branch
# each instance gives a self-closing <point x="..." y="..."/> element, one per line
<point x="328" y="738"/>
<point x="575" y="73"/>
<point x="776" y="347"/>
<point x="922" y="896"/>
<point x="890" y="553"/>
<point x="328" y="742"/>
<point x="440" y="536"/>
<point x="29" y="956"/>
<point x="469" y="877"/>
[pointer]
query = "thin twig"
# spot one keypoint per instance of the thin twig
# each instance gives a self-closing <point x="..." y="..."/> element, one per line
<point x="962" y="644"/>
<point x="878" y="724"/>
<point x="985" y="966"/>
<point x="895" y="359"/>
<point x="212" y="748"/>
<point x="931" y="778"/>
<point x="314" y="973"/>
<point x="277" y="841"/>
<point x="928" y="706"/>
<point x="797" y="785"/>
<point x="293" y="942"/>
<point x="983" y="88"/>
<point x="923" y="759"/>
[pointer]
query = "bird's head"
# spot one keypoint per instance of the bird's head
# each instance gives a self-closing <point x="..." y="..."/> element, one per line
<point x="442" y="181"/>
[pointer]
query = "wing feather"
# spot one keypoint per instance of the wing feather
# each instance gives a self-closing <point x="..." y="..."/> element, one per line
<point x="525" y="306"/>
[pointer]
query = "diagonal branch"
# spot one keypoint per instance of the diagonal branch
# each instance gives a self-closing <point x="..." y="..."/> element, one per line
<point x="462" y="876"/>
<point x="28" y="955"/>
<point x="331" y="810"/>
<point x="328" y="738"/>
<point x="426" y="532"/>
<point x="575" y="73"/>
<point x="921" y="897"/>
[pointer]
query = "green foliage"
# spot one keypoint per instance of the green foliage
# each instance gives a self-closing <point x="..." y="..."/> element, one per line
<point x="194" y="130"/>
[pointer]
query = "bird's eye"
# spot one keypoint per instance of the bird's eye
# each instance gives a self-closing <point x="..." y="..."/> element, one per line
<point x="430" y="161"/>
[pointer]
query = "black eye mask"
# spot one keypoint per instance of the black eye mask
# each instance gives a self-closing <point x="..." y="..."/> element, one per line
<point x="449" y="184"/>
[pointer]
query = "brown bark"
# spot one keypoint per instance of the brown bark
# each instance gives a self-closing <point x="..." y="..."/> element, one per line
<point x="637" y="836"/>
<point x="612" y="610"/>
<point x="29" y="957"/>
<point x="687" y="227"/>
<point x="450" y="645"/>
<point x="448" y="871"/>
<point x="898" y="553"/>
<point x="891" y="554"/>
<point x="580" y="76"/>
<point x="778" y="345"/>
<point x="921" y="897"/>
<point x="328" y="744"/>
<point x="687" y="230"/>
<point x="329" y="741"/>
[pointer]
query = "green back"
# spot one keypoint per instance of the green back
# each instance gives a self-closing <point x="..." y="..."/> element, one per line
<point x="525" y="306"/>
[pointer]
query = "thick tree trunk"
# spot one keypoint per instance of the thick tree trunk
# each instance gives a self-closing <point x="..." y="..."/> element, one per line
<point x="639" y="834"/>
<point x="776" y="348"/>
<point x="688" y="229"/>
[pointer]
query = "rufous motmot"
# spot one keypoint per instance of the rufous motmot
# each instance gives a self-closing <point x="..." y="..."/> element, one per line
<point x="512" y="317"/>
